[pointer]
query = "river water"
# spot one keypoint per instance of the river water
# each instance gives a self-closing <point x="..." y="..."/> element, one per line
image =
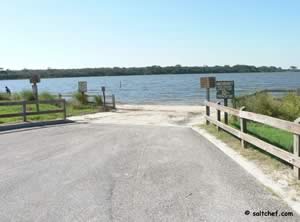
<point x="161" y="89"/>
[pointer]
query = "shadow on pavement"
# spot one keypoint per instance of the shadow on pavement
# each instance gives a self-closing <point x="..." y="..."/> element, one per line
<point x="33" y="125"/>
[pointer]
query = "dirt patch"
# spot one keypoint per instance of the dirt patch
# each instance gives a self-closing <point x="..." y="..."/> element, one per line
<point x="149" y="115"/>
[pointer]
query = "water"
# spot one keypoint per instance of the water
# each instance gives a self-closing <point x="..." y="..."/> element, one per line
<point x="162" y="89"/>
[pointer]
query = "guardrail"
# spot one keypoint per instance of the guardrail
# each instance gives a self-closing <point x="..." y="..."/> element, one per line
<point x="24" y="112"/>
<point x="244" y="116"/>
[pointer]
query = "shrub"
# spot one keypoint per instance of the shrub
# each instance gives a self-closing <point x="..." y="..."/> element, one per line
<point x="47" y="96"/>
<point x="287" y="107"/>
<point x="80" y="99"/>
<point x="259" y="103"/>
<point x="290" y="107"/>
<point x="27" y="95"/>
<point x="98" y="100"/>
<point x="4" y="96"/>
<point x="16" y="96"/>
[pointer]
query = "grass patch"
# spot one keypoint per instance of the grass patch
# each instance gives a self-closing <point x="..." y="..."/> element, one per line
<point x="71" y="111"/>
<point x="30" y="108"/>
<point x="274" y="136"/>
<point x="265" y="160"/>
<point x="86" y="109"/>
<point x="287" y="108"/>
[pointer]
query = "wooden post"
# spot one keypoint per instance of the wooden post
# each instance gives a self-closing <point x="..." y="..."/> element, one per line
<point x="207" y="83"/>
<point x="24" y="111"/>
<point x="243" y="126"/>
<point x="297" y="151"/>
<point x="207" y="107"/>
<point x="34" y="80"/>
<point x="218" y="116"/>
<point x="36" y="96"/>
<point x="113" y="101"/>
<point x="226" y="114"/>
<point x="104" y="99"/>
<point x="65" y="109"/>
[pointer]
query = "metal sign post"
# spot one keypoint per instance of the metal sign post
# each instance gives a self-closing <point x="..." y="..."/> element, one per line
<point x="225" y="90"/>
<point x="104" y="100"/>
<point x="207" y="82"/>
<point x="34" y="79"/>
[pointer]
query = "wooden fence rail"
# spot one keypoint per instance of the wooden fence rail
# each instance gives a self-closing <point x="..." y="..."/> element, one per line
<point x="24" y="113"/>
<point x="244" y="116"/>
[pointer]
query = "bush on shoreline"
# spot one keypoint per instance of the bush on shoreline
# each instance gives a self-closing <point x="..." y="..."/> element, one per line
<point x="79" y="99"/>
<point x="98" y="100"/>
<point x="47" y="96"/>
<point x="26" y="95"/>
<point x="287" y="107"/>
<point x="4" y="96"/>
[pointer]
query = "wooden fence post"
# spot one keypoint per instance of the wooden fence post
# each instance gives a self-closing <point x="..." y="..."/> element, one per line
<point x="113" y="101"/>
<point x="225" y="113"/>
<point x="207" y="113"/>
<point x="297" y="151"/>
<point x="24" y="111"/>
<point x="218" y="116"/>
<point x="243" y="126"/>
<point x="104" y="98"/>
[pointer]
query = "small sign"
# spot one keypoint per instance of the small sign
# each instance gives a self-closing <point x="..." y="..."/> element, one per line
<point x="208" y="82"/>
<point x="82" y="86"/>
<point x="35" y="78"/>
<point x="225" y="89"/>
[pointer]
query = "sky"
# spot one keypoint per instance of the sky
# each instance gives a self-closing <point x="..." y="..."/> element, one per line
<point x="41" y="34"/>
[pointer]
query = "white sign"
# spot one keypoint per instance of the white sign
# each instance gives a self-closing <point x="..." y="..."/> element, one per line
<point x="82" y="86"/>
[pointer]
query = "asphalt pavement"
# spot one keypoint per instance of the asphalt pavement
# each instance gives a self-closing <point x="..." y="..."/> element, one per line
<point x="105" y="172"/>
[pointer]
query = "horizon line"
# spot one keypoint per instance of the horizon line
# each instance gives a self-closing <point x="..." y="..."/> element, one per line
<point x="147" y="66"/>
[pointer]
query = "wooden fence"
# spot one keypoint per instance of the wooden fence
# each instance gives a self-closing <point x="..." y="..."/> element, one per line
<point x="292" y="127"/>
<point x="24" y="113"/>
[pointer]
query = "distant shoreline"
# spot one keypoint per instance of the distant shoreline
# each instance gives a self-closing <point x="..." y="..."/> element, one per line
<point x="82" y="76"/>
<point x="135" y="71"/>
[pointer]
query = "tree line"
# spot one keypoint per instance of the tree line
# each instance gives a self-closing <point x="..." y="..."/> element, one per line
<point x="150" y="70"/>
